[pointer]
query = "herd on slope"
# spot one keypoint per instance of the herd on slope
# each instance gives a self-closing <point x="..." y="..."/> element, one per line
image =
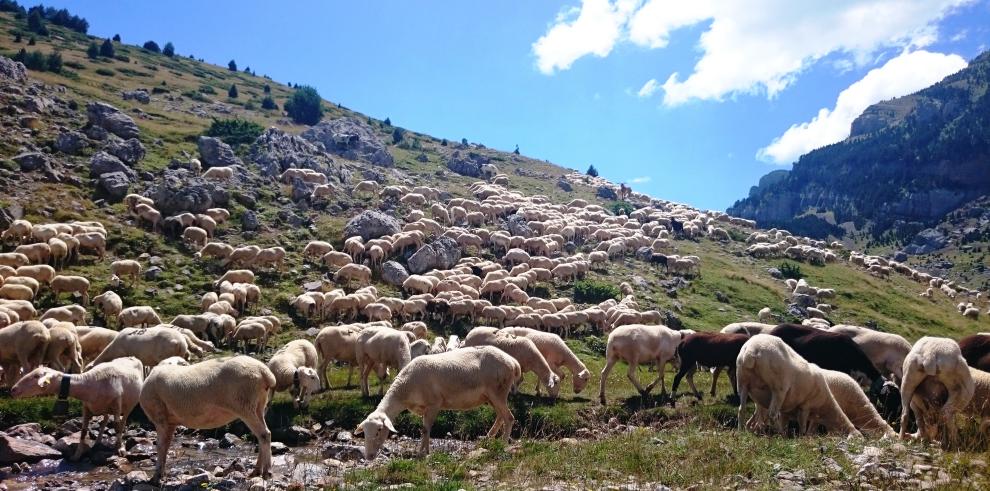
<point x="810" y="372"/>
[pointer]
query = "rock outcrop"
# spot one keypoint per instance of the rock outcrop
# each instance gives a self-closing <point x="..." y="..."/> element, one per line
<point x="276" y="151"/>
<point x="352" y="139"/>
<point x="372" y="224"/>
<point x="213" y="152"/>
<point x="107" y="117"/>
<point x="180" y="191"/>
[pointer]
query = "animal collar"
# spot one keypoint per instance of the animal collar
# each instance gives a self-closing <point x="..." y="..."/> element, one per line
<point x="63" y="389"/>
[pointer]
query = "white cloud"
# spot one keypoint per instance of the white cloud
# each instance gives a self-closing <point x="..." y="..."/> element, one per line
<point x="640" y="180"/>
<point x="907" y="73"/>
<point x="591" y="29"/>
<point x="751" y="46"/>
<point x="649" y="88"/>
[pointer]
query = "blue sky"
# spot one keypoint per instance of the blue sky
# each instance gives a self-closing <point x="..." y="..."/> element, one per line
<point x="563" y="79"/>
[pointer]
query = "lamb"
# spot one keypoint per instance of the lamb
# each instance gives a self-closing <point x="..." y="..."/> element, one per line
<point x="457" y="380"/>
<point x="148" y="345"/>
<point x="557" y="354"/>
<point x="111" y="389"/>
<point x="886" y="351"/>
<point x="856" y="405"/>
<point x="208" y="395"/>
<point x="64" y="351"/>
<point x="142" y="315"/>
<point x="780" y="381"/>
<point x="294" y="366"/>
<point x="22" y="348"/>
<point x="379" y="349"/>
<point x="70" y="284"/>
<point x="219" y="173"/>
<point x="714" y="350"/>
<point x="336" y="343"/>
<point x="522" y="349"/>
<point x="109" y="304"/>
<point x="638" y="343"/>
<point x="939" y="359"/>
<point x="126" y="268"/>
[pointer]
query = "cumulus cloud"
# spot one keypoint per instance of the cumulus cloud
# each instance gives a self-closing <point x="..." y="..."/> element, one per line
<point x="753" y="46"/>
<point x="591" y="29"/>
<point x="907" y="73"/>
<point x="649" y="88"/>
<point x="640" y="180"/>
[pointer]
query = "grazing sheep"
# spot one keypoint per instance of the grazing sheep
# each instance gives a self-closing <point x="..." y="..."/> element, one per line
<point x="39" y="253"/>
<point x="976" y="350"/>
<point x="236" y="276"/>
<point x="148" y="345"/>
<point x="110" y="389"/>
<point x="780" y="381"/>
<point x="16" y="292"/>
<point x="336" y="343"/>
<point x="748" y="328"/>
<point x="141" y="315"/>
<point x="109" y="304"/>
<point x="932" y="395"/>
<point x="22" y="348"/>
<point x="64" y="352"/>
<point x="208" y="395"/>
<point x="93" y="340"/>
<point x="31" y="283"/>
<point x="316" y="249"/>
<point x="417" y="327"/>
<point x="217" y="250"/>
<point x="41" y="272"/>
<point x="765" y="315"/>
<point x="350" y="273"/>
<point x="708" y="349"/>
<point x="455" y="380"/>
<point x="70" y="284"/>
<point x="856" y="405"/>
<point x="379" y="349"/>
<point x="126" y="268"/>
<point x="887" y="351"/>
<point x="522" y="349"/>
<point x="70" y="313"/>
<point x="249" y="331"/>
<point x="639" y="343"/>
<point x="557" y="354"/>
<point x="942" y="360"/>
<point x="830" y="351"/>
<point x="294" y="367"/>
<point x="95" y="242"/>
<point x="219" y="173"/>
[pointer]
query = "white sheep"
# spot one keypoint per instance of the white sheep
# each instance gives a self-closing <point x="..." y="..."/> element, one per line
<point x="219" y="173"/>
<point x="208" y="395"/>
<point x="148" y="345"/>
<point x="886" y="350"/>
<point x="22" y="348"/>
<point x="939" y="359"/>
<point x="141" y="315"/>
<point x="380" y="348"/>
<point x="557" y="354"/>
<point x="70" y="284"/>
<point x="110" y="389"/>
<point x="765" y="315"/>
<point x="457" y="380"/>
<point x="64" y="352"/>
<point x="336" y="343"/>
<point x="639" y="343"/>
<point x="294" y="367"/>
<point x="854" y="403"/>
<point x="109" y="304"/>
<point x="126" y="268"/>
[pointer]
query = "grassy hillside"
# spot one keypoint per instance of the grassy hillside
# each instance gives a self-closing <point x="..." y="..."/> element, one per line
<point x="576" y="440"/>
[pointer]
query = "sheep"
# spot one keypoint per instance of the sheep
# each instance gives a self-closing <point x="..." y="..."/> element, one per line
<point x="352" y="272"/>
<point x="219" y="215"/>
<point x="316" y="248"/>
<point x="365" y="187"/>
<point x="714" y="350"/>
<point x="19" y="230"/>
<point x="93" y="340"/>
<point x="932" y="394"/>
<point x="23" y="309"/>
<point x="248" y="331"/>
<point x="195" y="237"/>
<point x="126" y="268"/>
<point x="780" y="381"/>
<point x="208" y="395"/>
<point x="138" y="316"/>
<point x="219" y="173"/>
<point x="765" y="315"/>
<point x="856" y="405"/>
<point x="69" y="313"/>
<point x="557" y="355"/>
<point x="41" y="272"/>
<point x="271" y="257"/>
<point x="16" y="292"/>
<point x="217" y="250"/>
<point x="975" y="349"/>
<point x="887" y="351"/>
<point x="22" y="348"/>
<point x="148" y="345"/>
<point x="830" y="350"/>
<point x="380" y="349"/>
<point x="36" y="253"/>
<point x="14" y="259"/>
<point x="207" y="223"/>
<point x="418" y="328"/>
<point x="521" y="348"/>
<point x="972" y="313"/>
<point x="64" y="351"/>
<point x="59" y="252"/>
<point x="939" y="359"/>
<point x="70" y="284"/>
<point x="294" y="366"/>
<point x="109" y="304"/>
<point x="111" y="389"/>
<point x="241" y="256"/>
<point x="93" y="242"/>
<point x="336" y="343"/>
<point x="236" y="276"/>
<point x="638" y="343"/>
<point x="146" y="213"/>
<point x="455" y="380"/>
<point x="748" y="328"/>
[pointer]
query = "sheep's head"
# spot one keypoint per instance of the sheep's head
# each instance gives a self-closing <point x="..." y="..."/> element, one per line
<point x="553" y="385"/>
<point x="115" y="281"/>
<point x="581" y="380"/>
<point x="39" y="382"/>
<point x="307" y="383"/>
<point x="176" y="361"/>
<point x="375" y="428"/>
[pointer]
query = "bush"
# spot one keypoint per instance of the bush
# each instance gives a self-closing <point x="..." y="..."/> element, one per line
<point x="234" y="131"/>
<point x="791" y="270"/>
<point x="93" y="51"/>
<point x="267" y="89"/>
<point x="116" y="38"/>
<point x="592" y="171"/>
<point x="397" y="135"/>
<point x="36" y="23"/>
<point x="106" y="72"/>
<point x="305" y="106"/>
<point x="17" y="37"/>
<point x="268" y="103"/>
<point x="623" y="208"/>
<point x="593" y="291"/>
<point x="32" y="41"/>
<point x="151" y="46"/>
<point x="207" y="89"/>
<point x="232" y="66"/>
<point x="54" y="62"/>
<point x="123" y="58"/>
<point x="106" y="49"/>
<point x="75" y="65"/>
<point x="232" y="91"/>
<point x="169" y="49"/>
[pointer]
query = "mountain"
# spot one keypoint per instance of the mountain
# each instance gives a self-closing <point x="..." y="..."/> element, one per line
<point x="906" y="164"/>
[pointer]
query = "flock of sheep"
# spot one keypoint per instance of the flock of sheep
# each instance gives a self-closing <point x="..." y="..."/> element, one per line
<point x="811" y="373"/>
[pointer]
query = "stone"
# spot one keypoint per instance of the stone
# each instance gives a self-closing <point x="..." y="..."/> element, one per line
<point x="293" y="436"/>
<point x="468" y="164"/>
<point x="110" y="118"/>
<point x="31" y="161"/>
<point x="31" y="122"/>
<point x="927" y="241"/>
<point x="11" y="70"/>
<point x="900" y="256"/>
<point x="775" y="273"/>
<point x="352" y="139"/>
<point x="606" y="192"/>
<point x="153" y="273"/>
<point x="279" y="448"/>
<point x="565" y="185"/>
<point x="644" y="253"/>
<point x="115" y="185"/>
<point x="180" y="191"/>
<point x="213" y="152"/>
<point x="301" y="190"/>
<point x="71" y="142"/>
<point x="103" y="162"/>
<point x="518" y="225"/>
<point x="394" y="273"/>
<point x="139" y="95"/>
<point x="372" y="224"/>
<point x="15" y="450"/>
<point x="128" y="151"/>
<point x="443" y="253"/>
<point x="276" y="151"/>
<point x="197" y="481"/>
<point x="249" y="221"/>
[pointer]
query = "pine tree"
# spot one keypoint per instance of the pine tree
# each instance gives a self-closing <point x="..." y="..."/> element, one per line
<point x="106" y="49"/>
<point x="232" y="66"/>
<point x="267" y="89"/>
<point x="592" y="171"/>
<point x="151" y="46"/>
<point x="232" y="91"/>
<point x="169" y="49"/>
<point x="516" y="151"/>
<point x="116" y="38"/>
<point x="17" y="38"/>
<point x="93" y="51"/>
<point x="388" y="122"/>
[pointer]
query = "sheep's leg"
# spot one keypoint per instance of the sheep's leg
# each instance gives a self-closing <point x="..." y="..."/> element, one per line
<point x="322" y="368"/>
<point x="121" y="421"/>
<point x="631" y="374"/>
<point x="952" y="406"/>
<point x="505" y="415"/>
<point x="83" y="433"/>
<point x="428" y="416"/>
<point x="910" y="384"/>
<point x="365" y="374"/>
<point x="382" y="373"/>
<point x="609" y="363"/>
<point x="256" y="423"/>
<point x="661" y="365"/>
<point x="776" y="402"/>
<point x="350" y="371"/>
<point x="103" y="428"/>
<point x="165" y="434"/>
<point x="743" y="395"/>
<point x="732" y="379"/>
<point x="715" y="374"/>
<point x="804" y="421"/>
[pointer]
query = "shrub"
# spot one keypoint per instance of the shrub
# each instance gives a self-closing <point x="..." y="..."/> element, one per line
<point x="151" y="46"/>
<point x="234" y="131"/>
<point x="622" y="208"/>
<point x="516" y="151"/>
<point x="17" y="37"/>
<point x="594" y="291"/>
<point x="116" y="38"/>
<point x="123" y="58"/>
<point x="443" y="143"/>
<point x="32" y="41"/>
<point x="397" y="135"/>
<point x="790" y="270"/>
<point x="169" y="49"/>
<point x="106" y="72"/>
<point x="232" y="91"/>
<point x="106" y="49"/>
<point x="592" y="171"/>
<point x="305" y="106"/>
<point x="207" y="89"/>
<point x="267" y="89"/>
<point x="93" y="51"/>
<point x="75" y="65"/>
<point x="54" y="62"/>
<point x="387" y="122"/>
<point x="268" y="103"/>
<point x="464" y="141"/>
<point x="232" y="66"/>
<point x="36" y="23"/>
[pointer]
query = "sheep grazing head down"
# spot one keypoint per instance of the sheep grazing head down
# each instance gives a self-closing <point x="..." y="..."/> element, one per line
<point x="376" y="428"/>
<point x="35" y="383"/>
<point x="581" y="380"/>
<point x="306" y="382"/>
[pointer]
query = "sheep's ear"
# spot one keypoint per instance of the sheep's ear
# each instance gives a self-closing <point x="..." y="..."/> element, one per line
<point x="388" y="424"/>
<point x="45" y="380"/>
<point x="359" y="430"/>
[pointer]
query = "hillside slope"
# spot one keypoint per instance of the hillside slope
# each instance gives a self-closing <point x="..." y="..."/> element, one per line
<point x="906" y="163"/>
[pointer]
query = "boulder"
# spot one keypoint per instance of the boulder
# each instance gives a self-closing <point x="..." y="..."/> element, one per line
<point x="31" y="161"/>
<point x="213" y="152"/>
<point x="518" y="225"/>
<point x="900" y="256"/>
<point x="139" y="95"/>
<point x="394" y="273"/>
<point x="443" y="253"/>
<point x="96" y="133"/>
<point x="15" y="450"/>
<point x="11" y="70"/>
<point x="111" y="119"/>
<point x="928" y="240"/>
<point x="115" y="185"/>
<point x="607" y="192"/>
<point x="372" y="224"/>
<point x="466" y="164"/>
<point x="180" y="191"/>
<point x="352" y="139"/>
<point x="249" y="221"/>
<point x="102" y="163"/>
<point x="276" y="151"/>
<point x="129" y="151"/>
<point x="301" y="190"/>
<point x="565" y="185"/>
<point x="71" y="142"/>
